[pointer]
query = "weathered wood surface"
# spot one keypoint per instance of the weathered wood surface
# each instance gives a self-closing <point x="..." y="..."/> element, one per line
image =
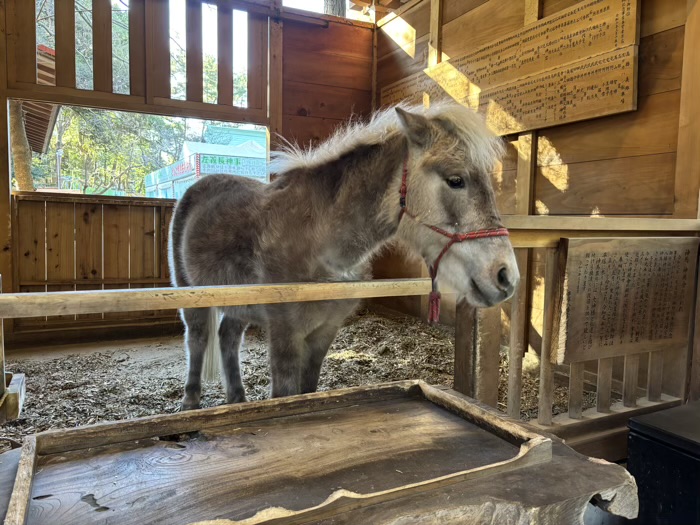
<point x="363" y="455"/>
<point x="352" y="448"/>
<point x="620" y="296"/>
<point x="590" y="48"/>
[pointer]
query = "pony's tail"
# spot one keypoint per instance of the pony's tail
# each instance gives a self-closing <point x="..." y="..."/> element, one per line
<point x="211" y="367"/>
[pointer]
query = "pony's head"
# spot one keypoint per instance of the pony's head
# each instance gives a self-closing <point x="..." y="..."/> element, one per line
<point x="451" y="154"/>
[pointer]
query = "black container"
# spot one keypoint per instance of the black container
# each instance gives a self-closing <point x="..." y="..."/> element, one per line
<point x="664" y="458"/>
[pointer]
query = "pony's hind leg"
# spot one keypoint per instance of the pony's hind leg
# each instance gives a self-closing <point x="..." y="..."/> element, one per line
<point x="317" y="343"/>
<point x="230" y="336"/>
<point x="196" y="336"/>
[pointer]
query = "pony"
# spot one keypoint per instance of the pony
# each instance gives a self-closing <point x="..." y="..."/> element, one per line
<point x="419" y="177"/>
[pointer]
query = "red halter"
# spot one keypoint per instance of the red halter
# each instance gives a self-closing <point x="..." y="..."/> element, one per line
<point x="434" y="300"/>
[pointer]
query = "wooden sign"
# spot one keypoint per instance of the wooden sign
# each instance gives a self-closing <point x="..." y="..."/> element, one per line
<point x="574" y="65"/>
<point x="624" y="296"/>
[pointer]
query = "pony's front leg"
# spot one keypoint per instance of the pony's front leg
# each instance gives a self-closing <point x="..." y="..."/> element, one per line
<point x="287" y="350"/>
<point x="196" y="335"/>
<point x="317" y="343"/>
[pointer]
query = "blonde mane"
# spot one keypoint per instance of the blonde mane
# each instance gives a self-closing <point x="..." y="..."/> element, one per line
<point x="485" y="148"/>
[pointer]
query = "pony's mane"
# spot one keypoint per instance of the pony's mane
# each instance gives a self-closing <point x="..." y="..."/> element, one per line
<point x="485" y="148"/>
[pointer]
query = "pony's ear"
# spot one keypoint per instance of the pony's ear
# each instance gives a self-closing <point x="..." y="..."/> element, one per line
<point x="415" y="126"/>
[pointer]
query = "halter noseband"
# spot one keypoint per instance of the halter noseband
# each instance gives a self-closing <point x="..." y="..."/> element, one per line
<point x="454" y="238"/>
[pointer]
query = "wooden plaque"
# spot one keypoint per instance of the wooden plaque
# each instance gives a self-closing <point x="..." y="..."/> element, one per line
<point x="578" y="64"/>
<point x="624" y="296"/>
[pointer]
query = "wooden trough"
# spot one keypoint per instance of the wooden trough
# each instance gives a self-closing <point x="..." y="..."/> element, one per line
<point x="397" y="451"/>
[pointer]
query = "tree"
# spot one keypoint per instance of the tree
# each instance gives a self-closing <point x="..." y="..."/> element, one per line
<point x="334" y="7"/>
<point x="21" y="152"/>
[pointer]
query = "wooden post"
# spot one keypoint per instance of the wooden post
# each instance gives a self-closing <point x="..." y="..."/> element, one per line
<point x="604" y="384"/>
<point x="544" y="416"/>
<point x="688" y="152"/>
<point x="519" y="322"/>
<point x="464" y="349"/>
<point x="276" y="73"/>
<point x="487" y="340"/>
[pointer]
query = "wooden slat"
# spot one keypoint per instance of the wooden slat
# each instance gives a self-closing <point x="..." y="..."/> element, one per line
<point x="142" y="248"/>
<point x="137" y="47"/>
<point x="629" y="381"/>
<point x="102" y="45"/>
<point x="544" y="413"/>
<point x="257" y="61"/>
<point x="604" y="384"/>
<point x="519" y="324"/>
<point x="31" y="239"/>
<point x="21" y="41"/>
<point x="533" y="11"/>
<point x="276" y="80"/>
<point x="65" y="43"/>
<point x="60" y="249"/>
<point x="435" y="42"/>
<point x="488" y="346"/>
<point x="193" y="39"/>
<point x="88" y="241"/>
<point x="115" y="248"/>
<point x="18" y="305"/>
<point x="688" y="154"/>
<point x="225" y="55"/>
<point x="655" y="375"/>
<point x="525" y="177"/>
<point x="576" y="390"/>
<point x="157" y="50"/>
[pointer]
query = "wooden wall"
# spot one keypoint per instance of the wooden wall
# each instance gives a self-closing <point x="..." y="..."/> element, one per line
<point x="327" y="78"/>
<point x="622" y="165"/>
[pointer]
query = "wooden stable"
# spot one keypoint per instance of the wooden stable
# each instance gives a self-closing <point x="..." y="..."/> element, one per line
<point x="609" y="159"/>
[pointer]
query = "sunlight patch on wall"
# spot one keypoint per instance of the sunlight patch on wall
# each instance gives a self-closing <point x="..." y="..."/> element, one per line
<point x="403" y="33"/>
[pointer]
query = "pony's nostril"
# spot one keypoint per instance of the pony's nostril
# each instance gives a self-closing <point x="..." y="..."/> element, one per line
<point x="503" y="279"/>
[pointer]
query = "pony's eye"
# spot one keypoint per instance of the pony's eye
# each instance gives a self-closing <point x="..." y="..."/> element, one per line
<point x="455" y="182"/>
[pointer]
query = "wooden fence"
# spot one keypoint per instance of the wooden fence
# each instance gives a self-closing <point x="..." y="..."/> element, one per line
<point x="76" y="243"/>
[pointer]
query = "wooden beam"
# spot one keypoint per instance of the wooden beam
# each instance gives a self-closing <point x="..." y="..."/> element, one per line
<point x="435" y="42"/>
<point x="688" y="153"/>
<point x="98" y="301"/>
<point x="65" y="43"/>
<point x="488" y="346"/>
<point x="225" y="58"/>
<point x="102" y="45"/>
<point x="257" y="62"/>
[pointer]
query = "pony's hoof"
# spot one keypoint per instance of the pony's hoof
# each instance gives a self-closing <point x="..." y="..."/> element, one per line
<point x="188" y="405"/>
<point x="238" y="397"/>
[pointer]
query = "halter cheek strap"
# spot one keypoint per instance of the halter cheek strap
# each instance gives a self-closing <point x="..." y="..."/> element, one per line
<point x="454" y="238"/>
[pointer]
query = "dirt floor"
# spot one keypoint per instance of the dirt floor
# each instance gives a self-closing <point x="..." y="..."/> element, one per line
<point x="84" y="384"/>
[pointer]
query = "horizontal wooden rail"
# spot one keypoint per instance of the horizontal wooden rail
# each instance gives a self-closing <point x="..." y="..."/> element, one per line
<point x="103" y="301"/>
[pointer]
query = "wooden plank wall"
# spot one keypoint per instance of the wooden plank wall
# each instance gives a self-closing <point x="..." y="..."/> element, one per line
<point x="71" y="243"/>
<point x="327" y="78"/>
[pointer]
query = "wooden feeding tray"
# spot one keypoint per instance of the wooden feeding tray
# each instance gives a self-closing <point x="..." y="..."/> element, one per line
<point x="359" y="455"/>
